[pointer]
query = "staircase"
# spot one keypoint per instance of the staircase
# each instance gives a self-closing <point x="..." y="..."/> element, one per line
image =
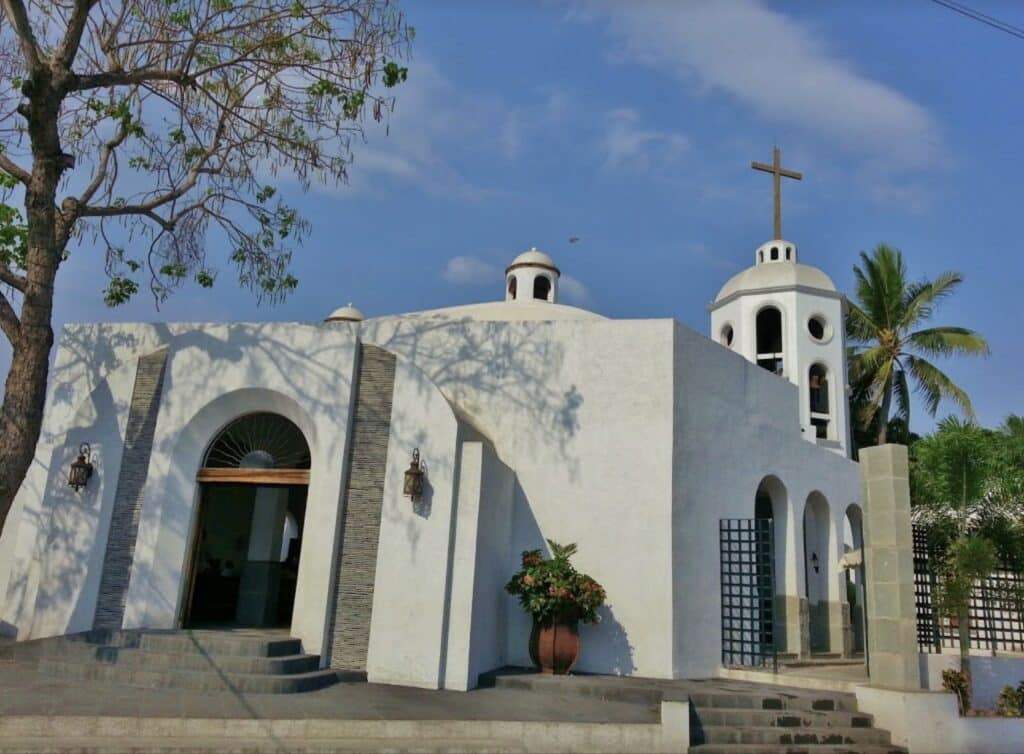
<point x="742" y="720"/>
<point x="251" y="662"/>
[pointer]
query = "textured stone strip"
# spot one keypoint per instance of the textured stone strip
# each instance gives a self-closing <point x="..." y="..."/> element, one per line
<point x="356" y="564"/>
<point x="124" y="521"/>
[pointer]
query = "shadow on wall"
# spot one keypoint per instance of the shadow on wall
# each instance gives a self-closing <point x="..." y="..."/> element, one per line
<point x="515" y="368"/>
<point x="71" y="536"/>
<point x="605" y="645"/>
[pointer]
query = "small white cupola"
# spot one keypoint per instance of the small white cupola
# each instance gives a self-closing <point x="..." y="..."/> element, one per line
<point x="776" y="251"/>
<point x="532" y="276"/>
<point x="346" y="313"/>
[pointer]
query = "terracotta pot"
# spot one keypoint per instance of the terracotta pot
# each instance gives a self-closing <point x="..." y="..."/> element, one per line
<point x="555" y="645"/>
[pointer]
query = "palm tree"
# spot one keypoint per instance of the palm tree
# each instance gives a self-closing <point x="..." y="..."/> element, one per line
<point x="888" y="351"/>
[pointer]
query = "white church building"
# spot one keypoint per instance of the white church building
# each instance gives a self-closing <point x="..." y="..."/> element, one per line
<point x="251" y="474"/>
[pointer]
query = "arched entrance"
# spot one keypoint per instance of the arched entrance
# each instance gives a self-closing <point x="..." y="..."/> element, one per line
<point x="853" y="561"/>
<point x="248" y="536"/>
<point x="771" y="501"/>
<point x="816" y="569"/>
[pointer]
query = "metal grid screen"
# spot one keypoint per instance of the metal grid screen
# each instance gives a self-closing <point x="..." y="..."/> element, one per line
<point x="748" y="592"/>
<point x="997" y="612"/>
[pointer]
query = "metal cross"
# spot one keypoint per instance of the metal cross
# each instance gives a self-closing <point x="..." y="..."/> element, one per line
<point x="778" y="173"/>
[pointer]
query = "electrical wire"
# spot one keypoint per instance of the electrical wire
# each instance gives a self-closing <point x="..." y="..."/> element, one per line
<point x="976" y="15"/>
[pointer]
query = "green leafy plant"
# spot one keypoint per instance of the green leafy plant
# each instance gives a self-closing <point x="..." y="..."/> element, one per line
<point x="1011" y="701"/>
<point x="957" y="682"/>
<point x="889" y="348"/>
<point x="552" y="589"/>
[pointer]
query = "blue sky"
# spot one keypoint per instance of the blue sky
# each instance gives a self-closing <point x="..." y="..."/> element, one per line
<point x="632" y="126"/>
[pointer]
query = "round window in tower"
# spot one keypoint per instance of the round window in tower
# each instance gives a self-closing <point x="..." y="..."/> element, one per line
<point x="819" y="329"/>
<point x="727" y="336"/>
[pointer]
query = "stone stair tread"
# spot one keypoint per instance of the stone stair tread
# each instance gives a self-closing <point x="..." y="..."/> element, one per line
<point x="193" y="679"/>
<point x="221" y="745"/>
<point x="797" y="749"/>
<point x="718" y="716"/>
<point x="773" y="735"/>
<point x="114" y="656"/>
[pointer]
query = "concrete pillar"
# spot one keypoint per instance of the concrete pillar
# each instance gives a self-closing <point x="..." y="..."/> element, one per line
<point x="889" y="569"/>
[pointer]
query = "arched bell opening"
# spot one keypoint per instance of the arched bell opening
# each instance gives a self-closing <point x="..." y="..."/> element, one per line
<point x="248" y="537"/>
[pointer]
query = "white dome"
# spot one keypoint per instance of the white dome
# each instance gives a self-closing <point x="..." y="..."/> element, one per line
<point x="533" y="258"/>
<point x="346" y="313"/>
<point x="778" y="275"/>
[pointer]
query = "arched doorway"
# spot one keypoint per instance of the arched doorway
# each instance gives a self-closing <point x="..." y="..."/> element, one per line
<point x="771" y="501"/>
<point x="853" y="557"/>
<point x="248" y="535"/>
<point x="817" y="534"/>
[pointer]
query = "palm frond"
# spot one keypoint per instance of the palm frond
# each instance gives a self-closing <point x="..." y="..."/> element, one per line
<point x="920" y="298"/>
<point x="933" y="385"/>
<point x="860" y="328"/>
<point x="943" y="341"/>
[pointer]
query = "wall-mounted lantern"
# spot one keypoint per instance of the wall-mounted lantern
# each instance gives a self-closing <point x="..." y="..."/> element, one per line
<point x="814" y="561"/>
<point x="413" y="487"/>
<point x="81" y="468"/>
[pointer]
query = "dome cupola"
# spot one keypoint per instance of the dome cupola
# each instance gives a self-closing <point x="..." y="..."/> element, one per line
<point x="347" y="313"/>
<point x="532" y="277"/>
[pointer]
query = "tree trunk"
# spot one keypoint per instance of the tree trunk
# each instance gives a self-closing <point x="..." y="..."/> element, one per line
<point x="21" y="415"/>
<point x="883" y="413"/>
<point x="964" y="634"/>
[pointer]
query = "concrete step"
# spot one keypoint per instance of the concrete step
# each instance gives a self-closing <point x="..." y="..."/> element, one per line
<point x="783" y="719"/>
<point x="196" y="680"/>
<point x="796" y="749"/>
<point x="793" y="736"/>
<point x="764" y="700"/>
<point x="192" y="745"/>
<point x="82" y="652"/>
<point x="200" y="642"/>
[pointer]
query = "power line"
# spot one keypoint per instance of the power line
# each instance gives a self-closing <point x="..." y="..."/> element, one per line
<point x="976" y="15"/>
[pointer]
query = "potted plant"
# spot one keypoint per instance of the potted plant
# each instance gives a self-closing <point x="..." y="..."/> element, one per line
<point x="558" y="597"/>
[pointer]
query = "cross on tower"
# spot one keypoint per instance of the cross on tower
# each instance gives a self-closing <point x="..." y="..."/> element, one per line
<point x="778" y="173"/>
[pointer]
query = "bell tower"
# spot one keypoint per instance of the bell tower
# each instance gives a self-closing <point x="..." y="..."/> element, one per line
<point x="787" y="318"/>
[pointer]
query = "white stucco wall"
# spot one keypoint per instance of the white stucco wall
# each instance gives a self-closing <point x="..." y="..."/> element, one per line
<point x="581" y="411"/>
<point x="53" y="545"/>
<point x="926" y="722"/>
<point x="214" y="374"/>
<point x="408" y="628"/>
<point x="734" y="425"/>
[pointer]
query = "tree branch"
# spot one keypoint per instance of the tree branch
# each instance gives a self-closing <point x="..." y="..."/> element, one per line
<point x="76" y="27"/>
<point x="9" y="277"/>
<point x="18" y="17"/>
<point x="9" y="322"/>
<point x="12" y="168"/>
<point x="128" y="78"/>
<point x="126" y="209"/>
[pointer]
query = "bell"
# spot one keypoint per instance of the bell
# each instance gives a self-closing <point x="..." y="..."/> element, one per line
<point x="413" y="487"/>
<point x="81" y="468"/>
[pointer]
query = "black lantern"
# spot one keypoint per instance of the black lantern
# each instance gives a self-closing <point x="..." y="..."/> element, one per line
<point x="413" y="487"/>
<point x="81" y="469"/>
<point x="814" y="561"/>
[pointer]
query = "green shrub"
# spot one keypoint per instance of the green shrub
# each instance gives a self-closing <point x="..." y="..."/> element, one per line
<point x="956" y="681"/>
<point x="1011" y="701"/>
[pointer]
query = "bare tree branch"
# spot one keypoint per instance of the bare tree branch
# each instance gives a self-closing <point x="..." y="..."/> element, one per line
<point x="9" y="322"/>
<point x="76" y="27"/>
<point x="18" y="17"/>
<point x="11" y="278"/>
<point x="10" y="167"/>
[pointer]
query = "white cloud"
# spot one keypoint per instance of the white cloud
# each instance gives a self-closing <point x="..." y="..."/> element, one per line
<point x="572" y="290"/>
<point x="464" y="270"/>
<point x="433" y="122"/>
<point x="627" y="144"/>
<point x="779" y="68"/>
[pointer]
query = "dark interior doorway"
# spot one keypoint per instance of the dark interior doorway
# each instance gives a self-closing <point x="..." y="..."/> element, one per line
<point x="245" y="558"/>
